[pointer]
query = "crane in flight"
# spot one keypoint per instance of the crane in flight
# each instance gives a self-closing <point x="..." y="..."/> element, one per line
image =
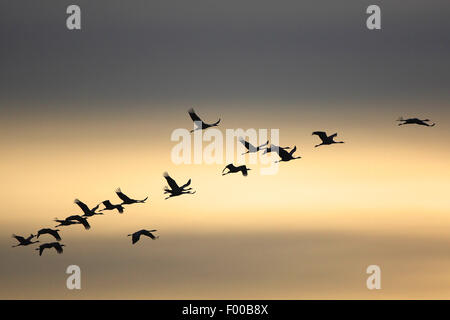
<point x="126" y="200"/>
<point x="109" y="206"/>
<point x="232" y="169"/>
<point x="75" y="219"/>
<point x="251" y="148"/>
<point x="58" y="247"/>
<point x="199" y="123"/>
<point x="137" y="235"/>
<point x="326" y="140"/>
<point x="416" y="121"/>
<point x="52" y="232"/>
<point x="175" y="190"/>
<point x="87" y="212"/>
<point x="24" y="241"/>
<point x="286" y="156"/>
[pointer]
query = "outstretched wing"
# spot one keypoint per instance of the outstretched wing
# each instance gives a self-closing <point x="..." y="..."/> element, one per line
<point x="215" y="123"/>
<point x="186" y="184"/>
<point x="170" y="181"/>
<point x="85" y="224"/>
<point x="107" y="203"/>
<point x="246" y="144"/>
<point x="122" y="196"/>
<point x="18" y="238"/>
<point x="82" y="205"/>
<point x="149" y="234"/>
<point x="58" y="247"/>
<point x="333" y="135"/>
<point x="41" y="249"/>
<point x="135" y="237"/>
<point x="54" y="233"/>
<point x="227" y="167"/>
<point x="293" y="150"/>
<point x="322" y="135"/>
<point x="193" y="115"/>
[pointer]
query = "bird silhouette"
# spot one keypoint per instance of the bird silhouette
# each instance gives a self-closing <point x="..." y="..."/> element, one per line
<point x="416" y="121"/>
<point x="109" y="206"/>
<point x="200" y="125"/>
<point x="175" y="190"/>
<point x="24" y="241"/>
<point x="137" y="235"/>
<point x="326" y="140"/>
<point x="126" y="200"/>
<point x="58" y="247"/>
<point x="251" y="148"/>
<point x="87" y="212"/>
<point x="75" y="219"/>
<point x="232" y="169"/>
<point x="286" y="156"/>
<point x="49" y="231"/>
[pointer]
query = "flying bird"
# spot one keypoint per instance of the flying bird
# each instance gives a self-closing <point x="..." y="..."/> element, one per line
<point x="175" y="190"/>
<point x="87" y="212"/>
<point x="24" y="241"/>
<point x="52" y="232"/>
<point x="126" y="200"/>
<point x="286" y="156"/>
<point x="75" y="219"/>
<point x="326" y="140"/>
<point x="109" y="206"/>
<point x="416" y="121"/>
<point x="56" y="245"/>
<point x="232" y="169"/>
<point x="137" y="235"/>
<point x="200" y="125"/>
<point x="251" y="148"/>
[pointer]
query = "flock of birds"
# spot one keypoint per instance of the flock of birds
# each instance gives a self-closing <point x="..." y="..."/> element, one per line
<point x="83" y="220"/>
<point x="173" y="189"/>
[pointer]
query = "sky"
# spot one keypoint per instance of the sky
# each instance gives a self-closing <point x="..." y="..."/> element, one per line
<point x="84" y="112"/>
